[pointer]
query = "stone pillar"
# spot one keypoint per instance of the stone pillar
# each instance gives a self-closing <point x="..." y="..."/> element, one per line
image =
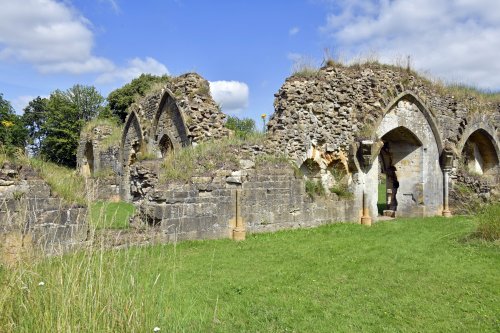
<point x="446" y="208"/>
<point x="239" y="231"/>
<point x="366" y="218"/>
<point x="447" y="157"/>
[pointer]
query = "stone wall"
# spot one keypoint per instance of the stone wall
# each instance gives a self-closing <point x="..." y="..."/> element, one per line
<point x="338" y="105"/>
<point x="28" y="209"/>
<point x="263" y="199"/>
<point x="348" y="115"/>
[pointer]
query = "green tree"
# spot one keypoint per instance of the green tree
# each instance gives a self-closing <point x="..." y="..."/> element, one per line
<point x="241" y="127"/>
<point x="87" y="100"/>
<point x="61" y="130"/>
<point x="120" y="99"/>
<point x="12" y="132"/>
<point x="33" y="119"/>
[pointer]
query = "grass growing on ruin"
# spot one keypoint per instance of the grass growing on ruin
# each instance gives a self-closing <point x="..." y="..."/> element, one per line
<point x="116" y="131"/>
<point x="412" y="275"/>
<point x="489" y="223"/>
<point x="65" y="182"/>
<point x="206" y="158"/>
<point x="110" y="215"/>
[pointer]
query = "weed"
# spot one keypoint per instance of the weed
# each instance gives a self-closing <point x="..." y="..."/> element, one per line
<point x="314" y="188"/>
<point x="489" y="223"/>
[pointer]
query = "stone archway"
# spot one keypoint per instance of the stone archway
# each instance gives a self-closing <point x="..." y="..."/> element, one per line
<point x="165" y="145"/>
<point x="401" y="161"/>
<point x="131" y="146"/>
<point x="88" y="162"/>
<point x="169" y="127"/>
<point x="409" y="158"/>
<point x="479" y="153"/>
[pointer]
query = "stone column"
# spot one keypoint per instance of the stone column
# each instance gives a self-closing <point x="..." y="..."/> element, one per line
<point x="447" y="157"/>
<point x="366" y="218"/>
<point x="446" y="208"/>
<point x="239" y="232"/>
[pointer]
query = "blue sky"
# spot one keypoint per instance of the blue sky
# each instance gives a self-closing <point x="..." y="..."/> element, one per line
<point x="246" y="49"/>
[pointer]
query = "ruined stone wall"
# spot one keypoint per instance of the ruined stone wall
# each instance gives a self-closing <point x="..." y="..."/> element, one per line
<point x="104" y="156"/>
<point x="269" y="199"/>
<point x="203" y="118"/>
<point x="33" y="216"/>
<point x="338" y="105"/>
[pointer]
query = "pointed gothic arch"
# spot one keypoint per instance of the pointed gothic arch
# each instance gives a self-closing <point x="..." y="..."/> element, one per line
<point x="169" y="123"/>
<point x="132" y="143"/>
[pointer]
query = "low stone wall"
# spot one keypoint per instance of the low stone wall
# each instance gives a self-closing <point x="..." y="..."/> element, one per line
<point x="264" y="200"/>
<point x="32" y="217"/>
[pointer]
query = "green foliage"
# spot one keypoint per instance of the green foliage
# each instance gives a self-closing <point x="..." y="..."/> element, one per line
<point x="33" y="118"/>
<point x="120" y="99"/>
<point x="61" y="130"/>
<point x="489" y="223"/>
<point x="64" y="182"/>
<point x="242" y="127"/>
<point x="87" y="100"/>
<point x="12" y="132"/>
<point x="110" y="215"/>
<point x="402" y="276"/>
<point x="341" y="186"/>
<point x="467" y="201"/>
<point x="314" y="188"/>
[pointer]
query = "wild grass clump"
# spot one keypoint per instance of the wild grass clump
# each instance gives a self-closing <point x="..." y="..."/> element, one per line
<point x="305" y="67"/>
<point x="65" y="182"/>
<point x="114" y="138"/>
<point x="314" y="188"/>
<point x="203" y="159"/>
<point x="488" y="220"/>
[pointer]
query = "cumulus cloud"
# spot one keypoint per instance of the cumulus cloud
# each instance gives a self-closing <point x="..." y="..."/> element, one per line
<point x="293" y="31"/>
<point x="232" y="96"/>
<point x="455" y="40"/>
<point x="134" y="68"/>
<point x="48" y="34"/>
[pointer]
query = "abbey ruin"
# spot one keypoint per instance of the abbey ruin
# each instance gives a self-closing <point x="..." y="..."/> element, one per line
<point x="337" y="137"/>
<point x="352" y="127"/>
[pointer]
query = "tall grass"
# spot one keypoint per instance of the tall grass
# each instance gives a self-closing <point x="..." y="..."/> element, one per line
<point x="408" y="275"/>
<point x="65" y="182"/>
<point x="116" y="131"/>
<point x="488" y="219"/>
<point x="206" y="158"/>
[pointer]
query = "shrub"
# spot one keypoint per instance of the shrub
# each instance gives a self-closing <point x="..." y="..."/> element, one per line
<point x="489" y="223"/>
<point x="314" y="188"/>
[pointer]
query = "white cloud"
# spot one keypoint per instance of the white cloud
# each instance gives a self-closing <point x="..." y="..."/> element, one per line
<point x="293" y="31"/>
<point x="134" y="68"/>
<point x="20" y="102"/>
<point x="50" y="35"/>
<point x="232" y="96"/>
<point x="113" y="4"/>
<point x="456" y="40"/>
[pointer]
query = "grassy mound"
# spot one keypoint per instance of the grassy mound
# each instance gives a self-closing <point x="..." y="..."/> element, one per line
<point x="402" y="276"/>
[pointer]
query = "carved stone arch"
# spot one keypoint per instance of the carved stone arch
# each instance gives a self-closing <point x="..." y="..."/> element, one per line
<point x="479" y="148"/>
<point x="487" y="129"/>
<point x="428" y="114"/>
<point x="131" y="144"/>
<point x="408" y="145"/>
<point x="169" y="121"/>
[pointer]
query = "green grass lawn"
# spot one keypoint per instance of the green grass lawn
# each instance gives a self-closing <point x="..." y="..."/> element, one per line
<point x="399" y="276"/>
<point x="110" y="215"/>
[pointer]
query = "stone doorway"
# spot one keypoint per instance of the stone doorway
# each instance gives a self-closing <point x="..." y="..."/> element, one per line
<point x="165" y="145"/>
<point x="400" y="167"/>
<point x="88" y="165"/>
